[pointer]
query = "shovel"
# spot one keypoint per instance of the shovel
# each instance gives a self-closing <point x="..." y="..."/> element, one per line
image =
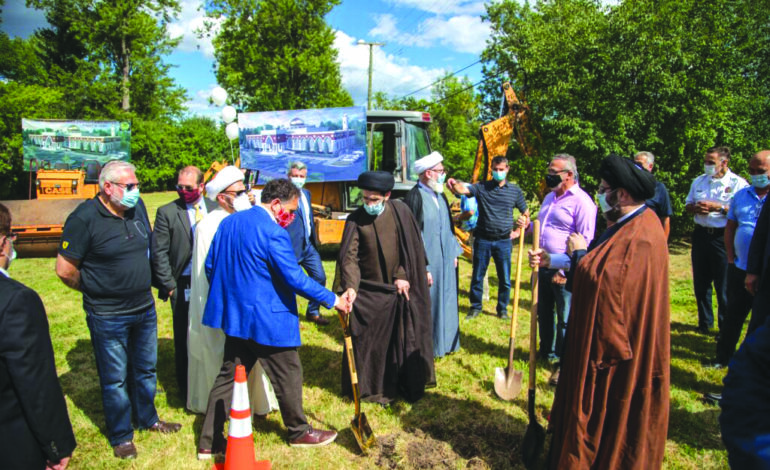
<point x="508" y="381"/>
<point x="534" y="437"/>
<point x="360" y="425"/>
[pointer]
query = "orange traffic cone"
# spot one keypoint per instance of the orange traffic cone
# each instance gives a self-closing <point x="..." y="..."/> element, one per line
<point x="240" y="444"/>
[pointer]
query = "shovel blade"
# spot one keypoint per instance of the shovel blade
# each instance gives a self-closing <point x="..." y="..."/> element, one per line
<point x="363" y="432"/>
<point x="532" y="444"/>
<point x="507" y="387"/>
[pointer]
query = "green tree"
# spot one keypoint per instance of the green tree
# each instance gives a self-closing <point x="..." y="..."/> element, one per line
<point x="277" y="54"/>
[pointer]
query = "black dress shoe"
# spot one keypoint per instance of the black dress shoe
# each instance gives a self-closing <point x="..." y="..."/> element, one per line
<point x="503" y="316"/>
<point x="712" y="398"/>
<point x="472" y="314"/>
<point x="317" y="319"/>
<point x="314" y="438"/>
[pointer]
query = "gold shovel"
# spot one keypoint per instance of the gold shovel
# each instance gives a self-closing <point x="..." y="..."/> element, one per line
<point x="508" y="380"/>
<point x="359" y="423"/>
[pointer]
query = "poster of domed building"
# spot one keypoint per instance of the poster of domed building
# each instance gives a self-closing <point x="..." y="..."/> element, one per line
<point x="331" y="142"/>
<point x="71" y="145"/>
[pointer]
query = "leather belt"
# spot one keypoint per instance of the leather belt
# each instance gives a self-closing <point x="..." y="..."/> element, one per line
<point x="710" y="230"/>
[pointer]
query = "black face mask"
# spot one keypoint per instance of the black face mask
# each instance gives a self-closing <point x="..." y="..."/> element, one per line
<point x="552" y="180"/>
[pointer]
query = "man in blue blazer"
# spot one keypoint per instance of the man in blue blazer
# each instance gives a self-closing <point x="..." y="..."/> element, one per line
<point x="302" y="234"/>
<point x="254" y="279"/>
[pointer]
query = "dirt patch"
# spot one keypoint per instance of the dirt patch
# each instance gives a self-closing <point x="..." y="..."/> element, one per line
<point x="417" y="450"/>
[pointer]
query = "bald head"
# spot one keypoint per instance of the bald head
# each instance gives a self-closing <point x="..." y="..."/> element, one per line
<point x="762" y="156"/>
<point x="759" y="169"/>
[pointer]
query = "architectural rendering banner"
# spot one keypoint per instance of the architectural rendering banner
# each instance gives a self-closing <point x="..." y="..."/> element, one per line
<point x="331" y="142"/>
<point x="71" y="145"/>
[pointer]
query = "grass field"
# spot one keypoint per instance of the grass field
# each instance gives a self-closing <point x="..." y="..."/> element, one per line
<point x="459" y="424"/>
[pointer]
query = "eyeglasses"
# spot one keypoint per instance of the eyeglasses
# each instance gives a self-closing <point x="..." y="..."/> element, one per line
<point x="128" y="186"/>
<point x="438" y="170"/>
<point x="181" y="187"/>
<point x="556" y="172"/>
<point x="604" y="189"/>
<point x="237" y="193"/>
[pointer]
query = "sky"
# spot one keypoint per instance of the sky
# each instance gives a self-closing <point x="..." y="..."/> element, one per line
<point x="423" y="39"/>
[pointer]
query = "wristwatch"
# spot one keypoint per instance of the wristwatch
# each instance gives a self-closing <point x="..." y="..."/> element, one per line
<point x="723" y="210"/>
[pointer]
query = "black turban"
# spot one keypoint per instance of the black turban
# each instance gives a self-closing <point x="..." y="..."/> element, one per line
<point x="380" y="181"/>
<point x="623" y="173"/>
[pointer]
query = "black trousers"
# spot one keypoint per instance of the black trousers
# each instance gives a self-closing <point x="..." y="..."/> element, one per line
<point x="760" y="309"/>
<point x="284" y="369"/>
<point x="739" y="303"/>
<point x="709" y="265"/>
<point x="180" y="308"/>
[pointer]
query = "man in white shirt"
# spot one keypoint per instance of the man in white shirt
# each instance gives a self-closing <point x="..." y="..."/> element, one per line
<point x="709" y="200"/>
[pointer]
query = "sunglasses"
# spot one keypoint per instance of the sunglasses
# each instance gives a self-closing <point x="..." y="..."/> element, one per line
<point x="128" y="186"/>
<point x="237" y="193"/>
<point x="181" y="187"/>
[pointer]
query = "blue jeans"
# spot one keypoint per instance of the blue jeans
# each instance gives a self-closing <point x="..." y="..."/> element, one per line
<point x="126" y="350"/>
<point x="500" y="251"/>
<point x="311" y="261"/>
<point x="552" y="295"/>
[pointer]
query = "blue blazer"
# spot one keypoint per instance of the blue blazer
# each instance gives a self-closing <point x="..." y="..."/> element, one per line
<point x="297" y="230"/>
<point x="254" y="277"/>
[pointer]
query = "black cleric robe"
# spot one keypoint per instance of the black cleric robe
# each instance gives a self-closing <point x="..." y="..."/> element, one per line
<point x="392" y="337"/>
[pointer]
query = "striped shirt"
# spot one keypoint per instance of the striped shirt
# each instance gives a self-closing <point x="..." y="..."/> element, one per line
<point x="496" y="205"/>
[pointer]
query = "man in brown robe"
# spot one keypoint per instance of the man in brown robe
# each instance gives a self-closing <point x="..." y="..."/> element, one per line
<point x="382" y="266"/>
<point x="612" y="401"/>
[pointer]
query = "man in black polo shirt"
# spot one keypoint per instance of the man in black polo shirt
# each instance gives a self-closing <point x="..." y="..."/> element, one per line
<point x="660" y="202"/>
<point x="494" y="232"/>
<point x="105" y="254"/>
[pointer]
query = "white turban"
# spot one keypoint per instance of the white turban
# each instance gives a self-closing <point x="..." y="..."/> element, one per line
<point x="224" y="178"/>
<point x="428" y="162"/>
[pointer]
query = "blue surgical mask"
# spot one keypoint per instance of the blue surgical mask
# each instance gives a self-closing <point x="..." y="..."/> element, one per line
<point x="604" y="205"/>
<point x="130" y="198"/>
<point x="499" y="175"/>
<point x="760" y="181"/>
<point x="375" y="209"/>
<point x="441" y="178"/>
<point x="298" y="182"/>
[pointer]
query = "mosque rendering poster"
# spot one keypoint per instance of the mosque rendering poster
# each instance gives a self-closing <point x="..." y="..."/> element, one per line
<point x="331" y="142"/>
<point x="71" y="145"/>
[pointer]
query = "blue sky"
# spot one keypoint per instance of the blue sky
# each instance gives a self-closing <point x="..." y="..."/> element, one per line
<point x="424" y="39"/>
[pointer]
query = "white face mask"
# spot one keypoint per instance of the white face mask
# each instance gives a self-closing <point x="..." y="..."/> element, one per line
<point x="299" y="182"/>
<point x="710" y="170"/>
<point x="12" y="256"/>
<point x="241" y="203"/>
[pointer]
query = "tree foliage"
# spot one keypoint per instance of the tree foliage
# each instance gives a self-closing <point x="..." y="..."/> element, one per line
<point x="277" y="54"/>
<point x="670" y="77"/>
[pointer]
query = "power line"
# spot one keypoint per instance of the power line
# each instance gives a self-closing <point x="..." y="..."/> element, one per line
<point x="441" y="79"/>
<point x="466" y="88"/>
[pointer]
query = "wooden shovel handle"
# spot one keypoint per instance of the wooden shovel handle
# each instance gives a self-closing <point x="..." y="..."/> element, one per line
<point x="533" y="310"/>
<point x="345" y="322"/>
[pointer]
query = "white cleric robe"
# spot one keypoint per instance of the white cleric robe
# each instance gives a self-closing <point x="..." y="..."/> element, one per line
<point x="206" y="346"/>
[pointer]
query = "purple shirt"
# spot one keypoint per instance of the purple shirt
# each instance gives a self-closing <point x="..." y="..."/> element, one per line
<point x="573" y="211"/>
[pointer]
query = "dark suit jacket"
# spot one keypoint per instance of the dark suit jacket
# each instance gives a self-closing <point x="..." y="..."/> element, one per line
<point x="34" y="425"/>
<point x="172" y="243"/>
<point x="297" y="228"/>
<point x="759" y="252"/>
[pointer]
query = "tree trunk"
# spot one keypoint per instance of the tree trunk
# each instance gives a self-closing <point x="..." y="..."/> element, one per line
<point x="126" y="68"/>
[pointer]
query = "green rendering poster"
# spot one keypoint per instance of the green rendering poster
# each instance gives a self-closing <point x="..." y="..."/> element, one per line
<point x="70" y="145"/>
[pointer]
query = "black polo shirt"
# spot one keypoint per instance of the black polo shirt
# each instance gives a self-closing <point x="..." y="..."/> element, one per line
<point x="496" y="205"/>
<point x="114" y="256"/>
<point x="660" y="202"/>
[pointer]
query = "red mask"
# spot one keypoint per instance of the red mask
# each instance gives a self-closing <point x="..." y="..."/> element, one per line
<point x="284" y="217"/>
<point x="189" y="196"/>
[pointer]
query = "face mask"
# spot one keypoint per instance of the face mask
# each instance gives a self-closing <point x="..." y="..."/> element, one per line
<point x="13" y="254"/>
<point x="710" y="170"/>
<point x="552" y="180"/>
<point x="760" y="181"/>
<point x="130" y="198"/>
<point x="610" y="210"/>
<point x="499" y="175"/>
<point x="284" y="217"/>
<point x="298" y="182"/>
<point x="241" y="203"/>
<point x="441" y="178"/>
<point x="189" y="196"/>
<point x="376" y="209"/>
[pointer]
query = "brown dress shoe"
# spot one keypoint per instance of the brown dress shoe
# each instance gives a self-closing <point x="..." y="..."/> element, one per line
<point x="314" y="438"/>
<point x="554" y="380"/>
<point x="125" y="450"/>
<point x="165" y="428"/>
<point x="317" y="319"/>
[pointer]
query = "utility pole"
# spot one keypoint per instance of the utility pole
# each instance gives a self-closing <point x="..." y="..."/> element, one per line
<point x="361" y="42"/>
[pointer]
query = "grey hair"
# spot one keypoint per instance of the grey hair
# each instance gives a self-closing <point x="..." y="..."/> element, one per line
<point x="571" y="164"/>
<point x="111" y="170"/>
<point x="297" y="165"/>
<point x="648" y="156"/>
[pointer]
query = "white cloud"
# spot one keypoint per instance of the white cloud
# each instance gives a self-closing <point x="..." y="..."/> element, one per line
<point x="199" y="104"/>
<point x="192" y="20"/>
<point x="461" y="33"/>
<point x="447" y="7"/>
<point x="391" y="75"/>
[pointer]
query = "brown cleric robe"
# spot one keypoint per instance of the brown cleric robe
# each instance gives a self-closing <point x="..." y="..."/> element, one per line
<point x="611" y="405"/>
<point x="392" y="337"/>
